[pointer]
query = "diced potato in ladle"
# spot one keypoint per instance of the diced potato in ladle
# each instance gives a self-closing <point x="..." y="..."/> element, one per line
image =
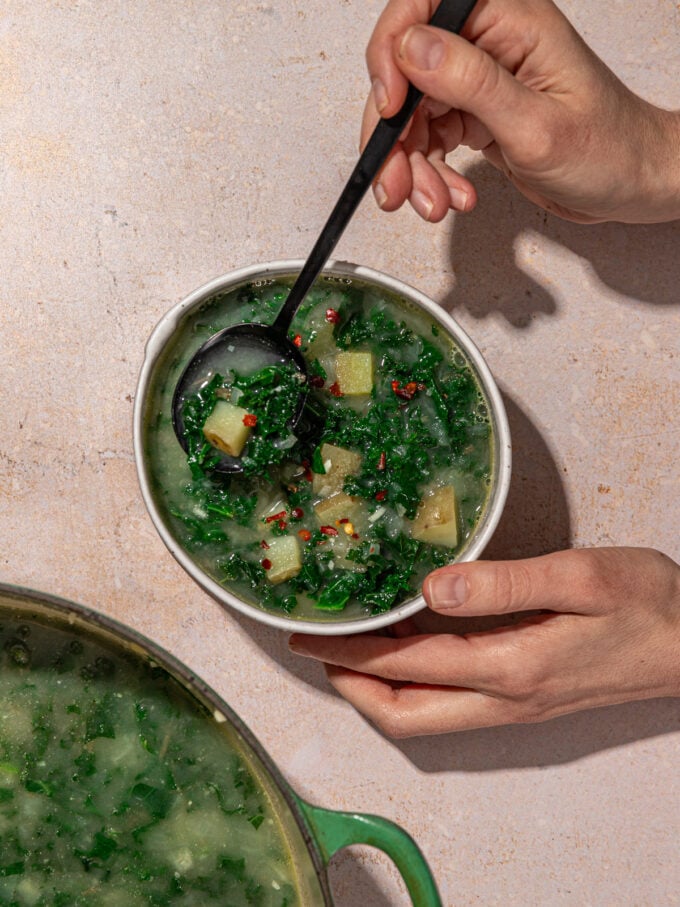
<point x="225" y="429"/>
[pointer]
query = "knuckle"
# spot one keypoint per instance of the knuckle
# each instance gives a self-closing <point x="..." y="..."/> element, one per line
<point x="542" y="143"/>
<point x="393" y="722"/>
<point x="530" y="704"/>
<point x="481" y="77"/>
<point x="524" y="678"/>
<point x="532" y="713"/>
<point x="395" y="730"/>
<point x="519" y="685"/>
<point x="593" y="575"/>
<point x="540" y="147"/>
<point x="511" y="585"/>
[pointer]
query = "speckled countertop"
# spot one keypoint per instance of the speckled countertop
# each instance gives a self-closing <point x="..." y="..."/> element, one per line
<point x="148" y="147"/>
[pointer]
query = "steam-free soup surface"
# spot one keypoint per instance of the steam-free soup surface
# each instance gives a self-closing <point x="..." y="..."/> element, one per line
<point x="117" y="789"/>
<point x="386" y="477"/>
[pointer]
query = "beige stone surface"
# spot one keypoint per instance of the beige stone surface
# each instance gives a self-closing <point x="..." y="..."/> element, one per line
<point x="146" y="147"/>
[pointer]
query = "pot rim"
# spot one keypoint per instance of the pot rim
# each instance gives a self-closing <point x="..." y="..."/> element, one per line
<point x="156" y="344"/>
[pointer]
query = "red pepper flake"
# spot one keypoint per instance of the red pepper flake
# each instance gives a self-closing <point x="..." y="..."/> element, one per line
<point x="335" y="389"/>
<point x="329" y="530"/>
<point x="316" y="381"/>
<point x="282" y="524"/>
<point x="304" y="534"/>
<point x="382" y="461"/>
<point x="250" y="419"/>
<point x="332" y="316"/>
<point x="380" y="495"/>
<point x="307" y="466"/>
<point x="407" y="392"/>
<point x="266" y="563"/>
<point x="297" y="513"/>
<point x="297" y="340"/>
<point x="275" y="516"/>
<point x="355" y="535"/>
<point x="342" y="521"/>
<point x="263" y="544"/>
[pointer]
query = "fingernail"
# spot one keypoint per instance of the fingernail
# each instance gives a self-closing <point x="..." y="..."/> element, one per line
<point x="447" y="591"/>
<point x="380" y="195"/>
<point x="380" y="98"/>
<point x="422" y="204"/>
<point x="422" y="49"/>
<point x="297" y="647"/>
<point x="458" y="199"/>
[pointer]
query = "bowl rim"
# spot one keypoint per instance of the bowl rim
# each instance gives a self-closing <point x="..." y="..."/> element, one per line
<point x="155" y="345"/>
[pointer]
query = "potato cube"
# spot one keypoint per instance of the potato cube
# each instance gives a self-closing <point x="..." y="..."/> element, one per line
<point x="436" y="521"/>
<point x="347" y="516"/>
<point x="321" y="343"/>
<point x="224" y="428"/>
<point x="339" y="463"/>
<point x="338" y="507"/>
<point x="354" y="372"/>
<point x="284" y="556"/>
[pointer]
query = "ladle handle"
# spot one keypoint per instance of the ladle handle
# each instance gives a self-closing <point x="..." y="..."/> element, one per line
<point x="450" y="15"/>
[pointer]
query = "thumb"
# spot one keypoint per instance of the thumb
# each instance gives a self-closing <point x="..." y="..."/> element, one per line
<point x="557" y="582"/>
<point x="450" y="69"/>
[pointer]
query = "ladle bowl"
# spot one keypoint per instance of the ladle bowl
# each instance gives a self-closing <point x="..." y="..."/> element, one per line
<point x="253" y="345"/>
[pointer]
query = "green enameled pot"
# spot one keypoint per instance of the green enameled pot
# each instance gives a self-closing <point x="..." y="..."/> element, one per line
<point x="99" y="720"/>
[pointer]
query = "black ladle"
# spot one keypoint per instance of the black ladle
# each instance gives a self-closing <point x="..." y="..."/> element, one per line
<point x="270" y="343"/>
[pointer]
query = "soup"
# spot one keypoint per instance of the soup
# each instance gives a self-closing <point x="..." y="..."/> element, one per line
<point x="119" y="788"/>
<point x="385" y="478"/>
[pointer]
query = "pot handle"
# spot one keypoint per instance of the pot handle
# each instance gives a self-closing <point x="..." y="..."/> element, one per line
<point x="334" y="830"/>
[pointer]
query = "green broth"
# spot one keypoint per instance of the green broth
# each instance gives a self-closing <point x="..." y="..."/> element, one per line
<point x="425" y="424"/>
<point x="119" y="788"/>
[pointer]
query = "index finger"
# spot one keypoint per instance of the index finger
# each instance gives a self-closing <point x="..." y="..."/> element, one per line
<point x="440" y="658"/>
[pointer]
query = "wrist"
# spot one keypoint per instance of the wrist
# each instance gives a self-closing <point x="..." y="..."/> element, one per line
<point x="659" y="168"/>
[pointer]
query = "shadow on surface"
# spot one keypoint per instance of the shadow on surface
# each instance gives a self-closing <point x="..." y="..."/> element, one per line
<point x="351" y="881"/>
<point x="633" y="260"/>
<point x="554" y="742"/>
<point x="535" y="519"/>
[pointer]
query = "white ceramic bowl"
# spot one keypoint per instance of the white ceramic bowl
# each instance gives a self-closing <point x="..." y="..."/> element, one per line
<point x="158" y="345"/>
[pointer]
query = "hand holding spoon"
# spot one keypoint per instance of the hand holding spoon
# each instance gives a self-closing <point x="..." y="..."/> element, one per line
<point x="261" y="344"/>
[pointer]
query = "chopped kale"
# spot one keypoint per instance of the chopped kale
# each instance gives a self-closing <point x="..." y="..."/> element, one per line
<point x="272" y="394"/>
<point x="201" y="455"/>
<point x="426" y="419"/>
<point x="339" y="590"/>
